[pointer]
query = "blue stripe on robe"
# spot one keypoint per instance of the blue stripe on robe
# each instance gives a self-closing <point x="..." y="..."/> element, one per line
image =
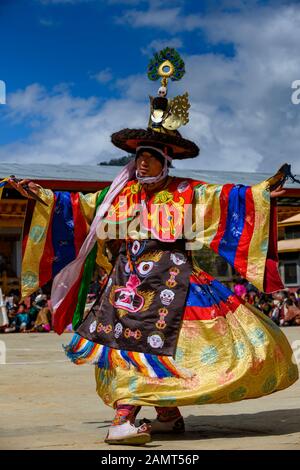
<point x="207" y="295"/>
<point x="160" y="370"/>
<point x="234" y="223"/>
<point x="62" y="232"/>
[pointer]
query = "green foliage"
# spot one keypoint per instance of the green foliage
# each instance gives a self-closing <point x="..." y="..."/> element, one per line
<point x="122" y="161"/>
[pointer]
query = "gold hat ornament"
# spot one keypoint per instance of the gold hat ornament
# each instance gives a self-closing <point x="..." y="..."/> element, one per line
<point x="166" y="115"/>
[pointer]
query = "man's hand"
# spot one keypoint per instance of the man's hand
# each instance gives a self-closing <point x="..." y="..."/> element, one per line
<point x="277" y="192"/>
<point x="27" y="188"/>
<point x="20" y="186"/>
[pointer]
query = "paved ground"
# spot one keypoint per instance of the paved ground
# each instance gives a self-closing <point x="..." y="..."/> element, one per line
<point x="48" y="403"/>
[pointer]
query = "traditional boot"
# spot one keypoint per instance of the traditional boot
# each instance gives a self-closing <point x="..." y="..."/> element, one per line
<point x="169" y="420"/>
<point x="128" y="434"/>
<point x="123" y="431"/>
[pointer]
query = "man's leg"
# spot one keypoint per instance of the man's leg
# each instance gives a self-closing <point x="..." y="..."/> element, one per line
<point x="125" y="413"/>
<point x="167" y="413"/>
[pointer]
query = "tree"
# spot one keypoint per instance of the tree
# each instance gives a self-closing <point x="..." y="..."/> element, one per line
<point x="122" y="161"/>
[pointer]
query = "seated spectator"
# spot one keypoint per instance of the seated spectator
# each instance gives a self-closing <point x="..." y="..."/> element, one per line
<point x="20" y="319"/>
<point x="276" y="313"/>
<point x="10" y="302"/>
<point x="11" y="313"/>
<point x="265" y="304"/>
<point x="291" y="314"/>
<point x="293" y="298"/>
<point x="42" y="323"/>
<point x="33" y="312"/>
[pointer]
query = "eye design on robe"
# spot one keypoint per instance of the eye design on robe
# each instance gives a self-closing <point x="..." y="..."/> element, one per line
<point x="135" y="247"/>
<point x="145" y="267"/>
<point x="144" y="264"/>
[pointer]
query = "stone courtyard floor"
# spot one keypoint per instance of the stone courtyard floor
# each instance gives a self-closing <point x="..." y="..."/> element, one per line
<point x="48" y="403"/>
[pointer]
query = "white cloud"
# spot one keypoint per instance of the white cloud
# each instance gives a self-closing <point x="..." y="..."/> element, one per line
<point x="67" y="129"/>
<point x="241" y="116"/>
<point x="159" y="18"/>
<point x="135" y="87"/>
<point x="158" y="44"/>
<point x="103" y="76"/>
<point x="170" y="19"/>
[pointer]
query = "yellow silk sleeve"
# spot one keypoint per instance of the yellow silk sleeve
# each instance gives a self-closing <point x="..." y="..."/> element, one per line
<point x="35" y="243"/>
<point x="88" y="205"/>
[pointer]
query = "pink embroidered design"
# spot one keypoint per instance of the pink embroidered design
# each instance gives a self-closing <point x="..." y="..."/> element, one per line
<point x="127" y="297"/>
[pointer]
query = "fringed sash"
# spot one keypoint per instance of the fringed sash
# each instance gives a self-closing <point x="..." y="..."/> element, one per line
<point x="83" y="351"/>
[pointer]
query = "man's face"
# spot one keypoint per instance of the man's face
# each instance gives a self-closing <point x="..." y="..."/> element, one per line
<point x="148" y="165"/>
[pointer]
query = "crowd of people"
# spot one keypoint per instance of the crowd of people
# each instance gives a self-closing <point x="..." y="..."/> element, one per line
<point x="34" y="315"/>
<point x="283" y="307"/>
<point x="31" y="315"/>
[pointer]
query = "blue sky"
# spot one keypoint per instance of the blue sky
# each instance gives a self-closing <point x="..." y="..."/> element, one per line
<point x="75" y="71"/>
<point x="70" y="41"/>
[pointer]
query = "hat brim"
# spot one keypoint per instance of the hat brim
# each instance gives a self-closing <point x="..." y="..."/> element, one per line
<point x="130" y="139"/>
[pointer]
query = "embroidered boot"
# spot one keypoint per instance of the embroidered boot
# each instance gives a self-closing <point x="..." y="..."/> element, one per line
<point x="123" y="430"/>
<point x="128" y="434"/>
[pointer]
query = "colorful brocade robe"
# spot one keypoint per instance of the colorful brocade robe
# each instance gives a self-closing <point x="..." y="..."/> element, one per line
<point x="238" y="223"/>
